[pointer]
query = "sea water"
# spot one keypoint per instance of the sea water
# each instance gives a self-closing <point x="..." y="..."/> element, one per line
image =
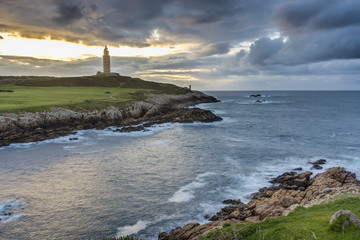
<point x="142" y="183"/>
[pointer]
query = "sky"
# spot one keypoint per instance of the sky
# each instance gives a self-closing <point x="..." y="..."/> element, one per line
<point x="209" y="44"/>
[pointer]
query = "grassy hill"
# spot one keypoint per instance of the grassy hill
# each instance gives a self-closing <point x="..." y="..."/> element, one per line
<point x="304" y="223"/>
<point x="31" y="94"/>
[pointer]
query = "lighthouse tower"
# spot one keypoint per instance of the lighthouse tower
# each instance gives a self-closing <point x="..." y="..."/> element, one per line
<point x="106" y="61"/>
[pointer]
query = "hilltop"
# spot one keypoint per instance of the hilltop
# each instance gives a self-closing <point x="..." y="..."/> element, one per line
<point x="91" y="81"/>
<point x="33" y="94"/>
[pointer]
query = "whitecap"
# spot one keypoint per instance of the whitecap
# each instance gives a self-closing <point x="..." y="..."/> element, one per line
<point x="8" y="208"/>
<point x="187" y="192"/>
<point x="161" y="142"/>
<point x="132" y="229"/>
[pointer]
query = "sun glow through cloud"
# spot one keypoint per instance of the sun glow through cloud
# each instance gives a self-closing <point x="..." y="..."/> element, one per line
<point x="13" y="44"/>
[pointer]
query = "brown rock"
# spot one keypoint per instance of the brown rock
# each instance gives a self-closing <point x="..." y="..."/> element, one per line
<point x="252" y="219"/>
<point x="163" y="236"/>
<point x="234" y="214"/>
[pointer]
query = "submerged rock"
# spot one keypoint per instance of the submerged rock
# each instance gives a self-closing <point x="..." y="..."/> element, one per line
<point x="298" y="169"/>
<point x="130" y="129"/>
<point x="317" y="167"/>
<point x="318" y="162"/>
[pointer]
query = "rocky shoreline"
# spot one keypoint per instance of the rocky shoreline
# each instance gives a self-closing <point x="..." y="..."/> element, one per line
<point x="288" y="191"/>
<point x="155" y="109"/>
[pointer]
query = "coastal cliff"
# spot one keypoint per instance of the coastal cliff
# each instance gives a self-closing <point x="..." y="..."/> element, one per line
<point x="154" y="109"/>
<point x="291" y="191"/>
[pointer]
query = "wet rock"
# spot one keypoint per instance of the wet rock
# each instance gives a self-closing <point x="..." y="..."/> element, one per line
<point x="318" y="162"/>
<point x="255" y="95"/>
<point x="292" y="181"/>
<point x="231" y="201"/>
<point x="236" y="210"/>
<point x="130" y="129"/>
<point x="298" y="169"/>
<point x="73" y="139"/>
<point x="317" y="167"/>
<point x="163" y="236"/>
<point x="195" y="115"/>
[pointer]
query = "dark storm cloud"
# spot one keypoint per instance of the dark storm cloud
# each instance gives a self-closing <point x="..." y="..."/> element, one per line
<point x="214" y="49"/>
<point x="262" y="50"/>
<point x="68" y="12"/>
<point x="135" y="13"/>
<point x="286" y="37"/>
<point x="132" y="22"/>
<point x="317" y="31"/>
<point x="318" y="14"/>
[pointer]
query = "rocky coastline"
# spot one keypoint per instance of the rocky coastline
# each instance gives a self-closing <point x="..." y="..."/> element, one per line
<point x="288" y="191"/>
<point x="155" y="109"/>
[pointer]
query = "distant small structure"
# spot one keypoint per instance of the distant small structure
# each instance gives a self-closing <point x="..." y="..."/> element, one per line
<point x="106" y="60"/>
<point x="106" y="65"/>
<point x="188" y="88"/>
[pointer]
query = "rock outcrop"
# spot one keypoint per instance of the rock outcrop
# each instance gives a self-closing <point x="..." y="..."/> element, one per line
<point x="350" y="218"/>
<point x="157" y="108"/>
<point x="291" y="190"/>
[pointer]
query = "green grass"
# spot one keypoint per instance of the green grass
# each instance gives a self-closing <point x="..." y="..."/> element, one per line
<point x="33" y="99"/>
<point x="33" y="94"/>
<point x="310" y="223"/>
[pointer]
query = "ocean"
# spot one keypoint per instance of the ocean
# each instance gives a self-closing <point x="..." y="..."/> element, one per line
<point x="142" y="183"/>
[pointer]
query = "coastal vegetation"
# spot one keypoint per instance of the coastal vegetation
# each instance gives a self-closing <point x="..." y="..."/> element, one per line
<point x="34" y="94"/>
<point x="302" y="223"/>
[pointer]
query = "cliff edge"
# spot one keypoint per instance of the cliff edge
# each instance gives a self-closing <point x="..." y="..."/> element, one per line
<point x="154" y="109"/>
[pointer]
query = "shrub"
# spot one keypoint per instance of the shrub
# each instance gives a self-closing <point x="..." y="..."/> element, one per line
<point x="226" y="225"/>
<point x="343" y="224"/>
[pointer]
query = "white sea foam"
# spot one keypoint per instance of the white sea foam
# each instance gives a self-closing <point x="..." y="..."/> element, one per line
<point x="7" y="209"/>
<point x="132" y="229"/>
<point x="228" y="100"/>
<point x="187" y="192"/>
<point x="226" y="120"/>
<point x="250" y="183"/>
<point x="142" y="225"/>
<point x="235" y="139"/>
<point x="161" y="142"/>
<point x="219" y="112"/>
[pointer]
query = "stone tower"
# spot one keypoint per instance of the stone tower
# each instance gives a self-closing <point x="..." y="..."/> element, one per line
<point x="106" y="60"/>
